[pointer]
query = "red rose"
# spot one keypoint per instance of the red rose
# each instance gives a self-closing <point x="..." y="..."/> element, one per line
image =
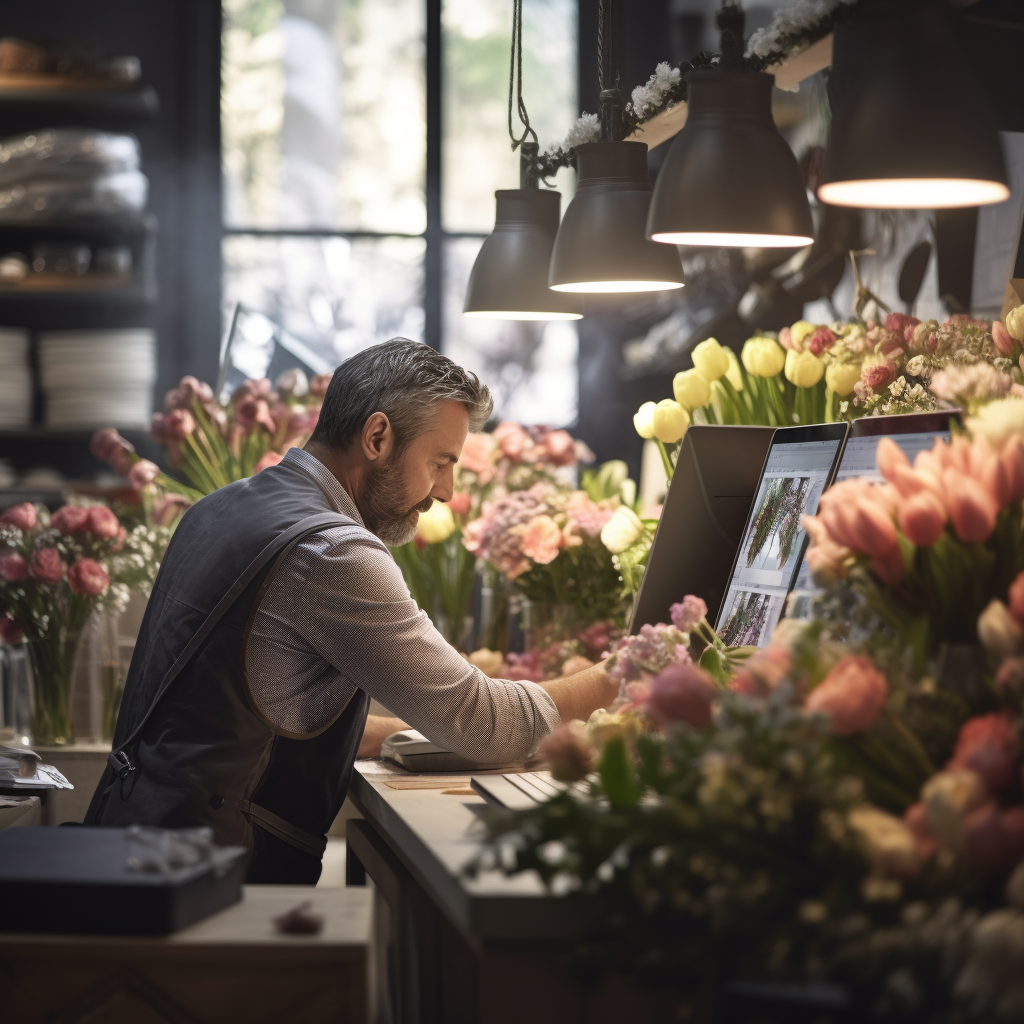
<point x="71" y="519"/>
<point x="10" y="631"/>
<point x="821" y="340"/>
<point x="22" y="516"/>
<point x="88" y="577"/>
<point x="877" y="376"/>
<point x="103" y="523"/>
<point x="47" y="566"/>
<point x="13" y="568"/>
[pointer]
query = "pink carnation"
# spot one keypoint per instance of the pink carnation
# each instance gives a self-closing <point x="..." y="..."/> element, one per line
<point x="990" y="746"/>
<point x="852" y="695"/>
<point x="23" y="516"/>
<point x="688" y="613"/>
<point x="87" y="577"/>
<point x="71" y="520"/>
<point x="541" y="539"/>
<point x="13" y="568"/>
<point x="47" y="566"/>
<point x="682" y="693"/>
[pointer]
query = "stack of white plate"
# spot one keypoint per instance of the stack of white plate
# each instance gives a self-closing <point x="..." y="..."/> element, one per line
<point x="15" y="379"/>
<point x="98" y="378"/>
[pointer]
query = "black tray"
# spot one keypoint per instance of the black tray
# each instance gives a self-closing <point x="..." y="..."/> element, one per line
<point x="76" y="881"/>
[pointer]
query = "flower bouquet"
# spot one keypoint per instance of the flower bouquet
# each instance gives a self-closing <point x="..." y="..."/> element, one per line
<point x="55" y="571"/>
<point x="213" y="443"/>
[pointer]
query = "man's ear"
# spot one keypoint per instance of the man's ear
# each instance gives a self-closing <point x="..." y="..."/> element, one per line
<point x="378" y="439"/>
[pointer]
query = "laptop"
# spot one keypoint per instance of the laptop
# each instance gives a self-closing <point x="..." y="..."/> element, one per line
<point x="701" y="523"/>
<point x="800" y="464"/>
<point x="913" y="432"/>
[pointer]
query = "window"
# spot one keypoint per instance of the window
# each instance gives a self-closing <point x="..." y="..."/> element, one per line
<point x="327" y="219"/>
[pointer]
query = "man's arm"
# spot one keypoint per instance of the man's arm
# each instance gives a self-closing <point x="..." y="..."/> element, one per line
<point x="579" y="695"/>
<point x="376" y="731"/>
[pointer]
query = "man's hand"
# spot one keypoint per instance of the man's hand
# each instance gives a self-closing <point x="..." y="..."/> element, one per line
<point x="579" y="695"/>
<point x="377" y="730"/>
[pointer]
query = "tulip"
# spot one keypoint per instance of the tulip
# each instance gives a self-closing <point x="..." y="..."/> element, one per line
<point x="692" y="389"/>
<point x="1011" y="458"/>
<point x="47" y="566"/>
<point x="143" y="473"/>
<point x="972" y="509"/>
<point x="671" y="421"/>
<point x="948" y="798"/>
<point x="1015" y="323"/>
<point x="88" y="578"/>
<point x="999" y="420"/>
<point x="887" y="841"/>
<point x="23" y="516"/>
<point x="271" y="458"/>
<point x="605" y="726"/>
<point x="1002" y="339"/>
<point x="643" y="421"/>
<point x="922" y="519"/>
<point x="803" y="369"/>
<point x="842" y="377"/>
<point x="734" y="375"/>
<point x="763" y="357"/>
<point x="622" y="530"/>
<point x="852" y="695"/>
<point x="888" y="457"/>
<point x="489" y="662"/>
<point x="568" y="752"/>
<point x="990" y="746"/>
<point x="435" y="525"/>
<point x="682" y="693"/>
<point x="179" y="424"/>
<point x="801" y="330"/>
<point x="874" y="531"/>
<point x="710" y="360"/>
<point x="998" y="631"/>
<point x="13" y="568"/>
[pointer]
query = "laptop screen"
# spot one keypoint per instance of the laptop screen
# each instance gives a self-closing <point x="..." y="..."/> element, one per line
<point x="795" y="474"/>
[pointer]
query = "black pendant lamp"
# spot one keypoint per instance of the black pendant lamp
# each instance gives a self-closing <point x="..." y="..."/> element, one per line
<point x="601" y="245"/>
<point x="911" y="127"/>
<point x="730" y="178"/>
<point x="509" y="279"/>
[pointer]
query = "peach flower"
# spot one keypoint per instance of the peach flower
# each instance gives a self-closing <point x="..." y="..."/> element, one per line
<point x="541" y="539"/>
<point x="569" y="754"/>
<point x="852" y="695"/>
<point x="477" y="456"/>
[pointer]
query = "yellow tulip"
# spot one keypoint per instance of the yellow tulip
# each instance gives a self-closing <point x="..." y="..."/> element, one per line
<point x="763" y="357"/>
<point x="710" y="360"/>
<point x="622" y="530"/>
<point x="436" y="524"/>
<point x="800" y="331"/>
<point x="643" y="420"/>
<point x="804" y="369"/>
<point x="734" y="375"/>
<point x="691" y="389"/>
<point x="671" y="421"/>
<point x="841" y="377"/>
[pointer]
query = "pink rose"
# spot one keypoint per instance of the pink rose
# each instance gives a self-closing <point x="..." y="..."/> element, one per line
<point x="922" y="519"/>
<point x="460" y="503"/>
<point x="179" y="424"/>
<point x="541" y="539"/>
<point x="820" y="341"/>
<point x="168" y="508"/>
<point x="511" y="439"/>
<point x="990" y="746"/>
<point x="682" y="693"/>
<point x="688" y="613"/>
<point x="972" y="509"/>
<point x="103" y="523"/>
<point x="852" y="695"/>
<point x="10" y="631"/>
<point x="23" y="516"/>
<point x="319" y="384"/>
<point x="876" y="377"/>
<point x="47" y="566"/>
<point x="143" y="473"/>
<point x="71" y="520"/>
<point x="87" y="577"/>
<point x="13" y="568"/>
<point x="270" y="459"/>
<point x="569" y="754"/>
<point x="1002" y="339"/>
<point x="561" y="448"/>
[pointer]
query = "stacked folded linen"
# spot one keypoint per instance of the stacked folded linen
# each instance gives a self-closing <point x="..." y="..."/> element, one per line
<point x="15" y="379"/>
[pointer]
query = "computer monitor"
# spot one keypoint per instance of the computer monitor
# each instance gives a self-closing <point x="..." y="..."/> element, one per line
<point x="701" y="523"/>
<point x="913" y="432"/>
<point x="800" y="464"/>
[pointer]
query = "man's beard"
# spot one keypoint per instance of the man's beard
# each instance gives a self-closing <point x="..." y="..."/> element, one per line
<point x="383" y="504"/>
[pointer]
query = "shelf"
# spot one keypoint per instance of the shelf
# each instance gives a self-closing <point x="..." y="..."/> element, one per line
<point x="48" y="94"/>
<point x="129" y="226"/>
<point x="66" y="433"/>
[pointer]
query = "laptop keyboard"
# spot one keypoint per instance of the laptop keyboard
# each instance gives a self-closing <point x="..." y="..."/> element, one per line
<point x="521" y="790"/>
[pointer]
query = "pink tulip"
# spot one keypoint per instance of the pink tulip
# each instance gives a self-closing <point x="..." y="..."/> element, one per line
<point x="23" y="516"/>
<point x="682" y="693"/>
<point x="268" y="460"/>
<point x="143" y="473"/>
<point x="972" y="509"/>
<point x="874" y="531"/>
<point x="922" y="519"/>
<point x="960" y="454"/>
<point x="88" y="578"/>
<point x="10" y="631"/>
<point x="168" y="508"/>
<point x="853" y="695"/>
<point x="889" y="568"/>
<point x="996" y="481"/>
<point x="990" y="746"/>
<point x="179" y="424"/>
<point x="158" y="428"/>
<point x="1011" y="458"/>
<point x="47" y="566"/>
<point x="319" y="384"/>
<point x="1002" y="339"/>
<point x="71" y="520"/>
<point x="888" y="456"/>
<point x="460" y="503"/>
<point x="13" y="568"/>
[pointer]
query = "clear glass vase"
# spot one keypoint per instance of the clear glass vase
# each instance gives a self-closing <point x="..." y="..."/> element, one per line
<point x="53" y="661"/>
<point x="545" y="624"/>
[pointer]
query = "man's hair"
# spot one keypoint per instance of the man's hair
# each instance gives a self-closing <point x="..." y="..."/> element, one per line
<point x="403" y="379"/>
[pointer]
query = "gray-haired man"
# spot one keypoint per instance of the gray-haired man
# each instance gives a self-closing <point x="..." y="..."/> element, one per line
<point x="279" y="612"/>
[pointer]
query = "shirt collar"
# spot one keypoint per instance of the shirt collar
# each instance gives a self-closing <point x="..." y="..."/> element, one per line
<point x="336" y="494"/>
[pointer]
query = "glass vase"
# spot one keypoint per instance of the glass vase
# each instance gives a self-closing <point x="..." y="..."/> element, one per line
<point x="494" y="611"/>
<point x="53" y="661"/>
<point x="545" y="624"/>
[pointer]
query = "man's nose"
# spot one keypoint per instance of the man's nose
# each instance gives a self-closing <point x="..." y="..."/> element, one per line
<point x="444" y="485"/>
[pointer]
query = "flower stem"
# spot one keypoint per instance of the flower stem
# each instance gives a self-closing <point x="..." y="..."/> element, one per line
<point x="665" y="460"/>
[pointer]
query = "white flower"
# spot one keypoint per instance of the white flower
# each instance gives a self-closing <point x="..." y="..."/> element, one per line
<point x="586" y="129"/>
<point x="898" y="386"/>
<point x="622" y="530"/>
<point x="998" y="420"/>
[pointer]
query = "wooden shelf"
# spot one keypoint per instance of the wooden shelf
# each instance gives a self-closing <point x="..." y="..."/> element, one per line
<point x="54" y="93"/>
<point x="129" y="226"/>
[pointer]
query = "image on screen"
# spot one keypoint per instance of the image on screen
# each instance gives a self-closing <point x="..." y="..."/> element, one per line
<point x="769" y="557"/>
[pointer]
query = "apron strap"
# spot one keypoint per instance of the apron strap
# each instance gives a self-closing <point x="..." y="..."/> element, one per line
<point x="305" y="841"/>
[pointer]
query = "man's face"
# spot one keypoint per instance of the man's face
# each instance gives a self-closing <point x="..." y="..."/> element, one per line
<point x="398" y="489"/>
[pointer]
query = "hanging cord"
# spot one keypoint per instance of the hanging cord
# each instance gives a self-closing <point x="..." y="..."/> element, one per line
<point x="609" y="96"/>
<point x="530" y="149"/>
<point x="731" y="22"/>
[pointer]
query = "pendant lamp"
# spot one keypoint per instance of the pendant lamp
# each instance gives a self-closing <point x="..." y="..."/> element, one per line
<point x="601" y="245"/>
<point x="911" y="127"/>
<point x="509" y="280"/>
<point x="730" y="178"/>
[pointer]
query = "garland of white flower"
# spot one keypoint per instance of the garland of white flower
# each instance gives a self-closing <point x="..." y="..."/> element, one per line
<point x="792" y="30"/>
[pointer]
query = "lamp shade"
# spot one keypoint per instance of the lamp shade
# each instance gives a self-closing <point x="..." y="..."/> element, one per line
<point x="509" y="280"/>
<point x="601" y="245"/>
<point x="911" y="128"/>
<point x="730" y="178"/>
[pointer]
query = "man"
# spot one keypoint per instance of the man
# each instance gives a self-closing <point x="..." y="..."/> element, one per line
<point x="279" y="612"/>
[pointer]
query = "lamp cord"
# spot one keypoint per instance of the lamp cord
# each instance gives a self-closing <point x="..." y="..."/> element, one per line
<point x="515" y="80"/>
<point x="609" y="97"/>
<point x="731" y="22"/>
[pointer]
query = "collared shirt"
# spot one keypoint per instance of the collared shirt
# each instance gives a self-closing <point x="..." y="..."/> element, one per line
<point x="337" y="615"/>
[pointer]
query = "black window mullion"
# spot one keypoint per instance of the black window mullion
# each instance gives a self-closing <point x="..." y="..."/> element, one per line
<point x="432" y="267"/>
